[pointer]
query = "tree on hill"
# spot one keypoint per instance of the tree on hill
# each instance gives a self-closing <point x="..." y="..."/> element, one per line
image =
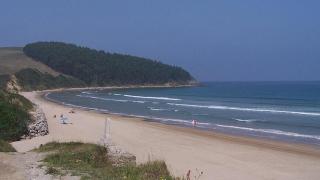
<point x="98" y="68"/>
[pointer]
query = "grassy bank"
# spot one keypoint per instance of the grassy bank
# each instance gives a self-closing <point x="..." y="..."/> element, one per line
<point x="14" y="116"/>
<point x="93" y="162"/>
<point x="6" y="147"/>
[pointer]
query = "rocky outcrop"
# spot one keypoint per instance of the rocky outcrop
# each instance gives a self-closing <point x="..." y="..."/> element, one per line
<point x="119" y="157"/>
<point x="12" y="85"/>
<point x="39" y="125"/>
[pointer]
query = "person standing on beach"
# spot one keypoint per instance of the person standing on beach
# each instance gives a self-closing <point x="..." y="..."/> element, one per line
<point x="194" y="122"/>
<point x="188" y="174"/>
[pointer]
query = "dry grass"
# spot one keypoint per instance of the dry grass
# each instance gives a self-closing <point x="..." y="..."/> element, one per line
<point x="13" y="59"/>
<point x="91" y="161"/>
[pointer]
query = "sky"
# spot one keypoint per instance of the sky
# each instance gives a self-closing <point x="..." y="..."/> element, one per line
<point x="215" y="40"/>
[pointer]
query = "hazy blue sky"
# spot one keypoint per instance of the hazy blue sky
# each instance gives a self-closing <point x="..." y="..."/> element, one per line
<point x="214" y="39"/>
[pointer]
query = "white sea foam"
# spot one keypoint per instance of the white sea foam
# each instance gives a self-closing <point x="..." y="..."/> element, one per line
<point x="156" y="109"/>
<point x="111" y="99"/>
<point x="272" y="131"/>
<point x="147" y="97"/>
<point x="247" y="109"/>
<point x="173" y="120"/>
<point x="105" y="99"/>
<point x="179" y="121"/>
<point x="245" y="120"/>
<point x="84" y="107"/>
<point x="86" y="92"/>
<point x="139" y="102"/>
<point x="161" y="109"/>
<point x="200" y="114"/>
<point x="150" y="97"/>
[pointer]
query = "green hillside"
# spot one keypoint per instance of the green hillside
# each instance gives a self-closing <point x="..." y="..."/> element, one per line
<point x="31" y="74"/>
<point x="32" y="79"/>
<point x="12" y="60"/>
<point x="98" y="68"/>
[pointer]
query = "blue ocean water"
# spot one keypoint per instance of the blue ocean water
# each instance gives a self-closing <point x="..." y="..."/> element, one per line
<point x="288" y="111"/>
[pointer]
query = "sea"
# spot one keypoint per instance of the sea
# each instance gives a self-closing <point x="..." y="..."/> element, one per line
<point x="284" y="111"/>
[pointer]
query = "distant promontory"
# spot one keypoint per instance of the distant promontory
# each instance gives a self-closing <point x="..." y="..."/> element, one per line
<point x="98" y="68"/>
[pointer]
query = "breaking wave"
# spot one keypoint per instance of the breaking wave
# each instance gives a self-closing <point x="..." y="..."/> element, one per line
<point x="150" y="97"/>
<point x="272" y="131"/>
<point x="178" y="121"/>
<point x="106" y="99"/>
<point x="110" y="99"/>
<point x="247" y="109"/>
<point x="157" y="109"/>
<point x="245" y="120"/>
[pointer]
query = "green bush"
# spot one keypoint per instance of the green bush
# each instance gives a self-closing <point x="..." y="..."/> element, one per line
<point x="13" y="121"/>
<point x="14" y="116"/>
<point x="17" y="99"/>
<point x="6" y="147"/>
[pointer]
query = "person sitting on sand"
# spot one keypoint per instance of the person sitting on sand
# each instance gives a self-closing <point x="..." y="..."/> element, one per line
<point x="62" y="119"/>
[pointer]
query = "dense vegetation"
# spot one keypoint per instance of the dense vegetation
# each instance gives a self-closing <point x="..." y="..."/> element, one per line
<point x="33" y="79"/>
<point x="14" y="115"/>
<point x="93" y="162"/>
<point x="4" y="80"/>
<point x="98" y="68"/>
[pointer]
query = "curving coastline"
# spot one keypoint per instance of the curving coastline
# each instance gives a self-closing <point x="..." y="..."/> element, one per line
<point x="182" y="148"/>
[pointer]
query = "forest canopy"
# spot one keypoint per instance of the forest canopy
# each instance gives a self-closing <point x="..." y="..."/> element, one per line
<point x="99" y="68"/>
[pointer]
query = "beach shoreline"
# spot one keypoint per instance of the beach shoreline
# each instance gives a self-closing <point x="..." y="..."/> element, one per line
<point x="295" y="147"/>
<point x="182" y="148"/>
<point x="122" y="87"/>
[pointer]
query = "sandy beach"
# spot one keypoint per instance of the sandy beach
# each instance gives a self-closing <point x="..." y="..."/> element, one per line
<point x="219" y="156"/>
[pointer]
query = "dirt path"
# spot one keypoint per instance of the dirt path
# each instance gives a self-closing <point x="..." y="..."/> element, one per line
<point x="25" y="166"/>
<point x="9" y="168"/>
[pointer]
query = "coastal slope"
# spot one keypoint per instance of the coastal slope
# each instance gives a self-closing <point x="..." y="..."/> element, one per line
<point x="217" y="156"/>
<point x="12" y="60"/>
<point x="20" y="72"/>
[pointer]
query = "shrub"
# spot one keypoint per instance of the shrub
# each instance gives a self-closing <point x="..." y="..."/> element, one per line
<point x="92" y="162"/>
<point x="14" y="116"/>
<point x="6" y="147"/>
